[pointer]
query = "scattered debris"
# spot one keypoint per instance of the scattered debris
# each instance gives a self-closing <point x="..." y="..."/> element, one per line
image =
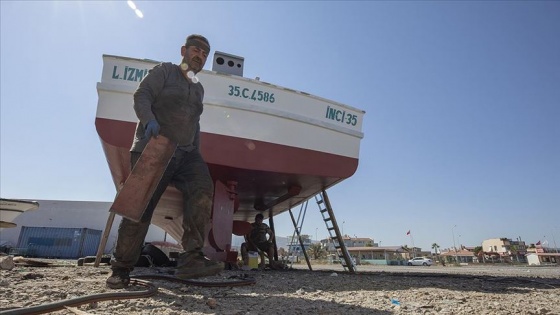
<point x="7" y="263"/>
<point x="75" y="310"/>
<point x="22" y="261"/>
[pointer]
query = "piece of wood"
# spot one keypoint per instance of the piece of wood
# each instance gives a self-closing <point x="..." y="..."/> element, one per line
<point x="31" y="262"/>
<point x="139" y="187"/>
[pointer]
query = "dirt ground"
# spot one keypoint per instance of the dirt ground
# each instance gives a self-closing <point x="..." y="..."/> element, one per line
<point x="325" y="290"/>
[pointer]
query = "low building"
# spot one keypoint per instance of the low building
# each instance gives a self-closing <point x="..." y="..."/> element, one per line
<point x="383" y="255"/>
<point x="540" y="255"/>
<point x="462" y="256"/>
<point x="328" y="243"/>
<point x="294" y="247"/>
<point x="537" y="259"/>
<point x="543" y="259"/>
<point x="56" y="215"/>
<point x="508" y="249"/>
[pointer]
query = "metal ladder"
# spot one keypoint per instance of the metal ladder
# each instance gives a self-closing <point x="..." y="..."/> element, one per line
<point x="334" y="232"/>
<point x="297" y="231"/>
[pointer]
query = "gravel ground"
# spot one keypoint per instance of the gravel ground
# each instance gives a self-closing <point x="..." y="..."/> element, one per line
<point x="326" y="290"/>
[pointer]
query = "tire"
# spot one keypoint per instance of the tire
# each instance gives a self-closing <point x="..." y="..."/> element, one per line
<point x="144" y="261"/>
<point x="159" y="258"/>
<point x="89" y="259"/>
<point x="410" y="264"/>
<point x="424" y="264"/>
<point x="80" y="262"/>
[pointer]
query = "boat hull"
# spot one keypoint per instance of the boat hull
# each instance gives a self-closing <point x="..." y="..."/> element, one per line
<point x="11" y="208"/>
<point x="262" y="173"/>
<point x="271" y="156"/>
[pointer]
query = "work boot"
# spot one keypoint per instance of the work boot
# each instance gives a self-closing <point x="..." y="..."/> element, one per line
<point x="196" y="266"/>
<point x="119" y="279"/>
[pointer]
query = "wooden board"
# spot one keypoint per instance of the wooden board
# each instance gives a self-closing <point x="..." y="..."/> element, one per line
<point x="133" y="198"/>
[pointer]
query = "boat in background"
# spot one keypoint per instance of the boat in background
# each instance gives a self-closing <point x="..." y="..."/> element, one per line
<point x="268" y="148"/>
<point x="11" y="208"/>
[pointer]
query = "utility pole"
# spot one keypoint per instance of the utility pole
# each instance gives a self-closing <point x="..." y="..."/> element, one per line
<point x="316" y="234"/>
<point x="454" y="247"/>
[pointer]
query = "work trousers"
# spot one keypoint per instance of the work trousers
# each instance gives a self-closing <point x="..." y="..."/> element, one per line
<point x="189" y="174"/>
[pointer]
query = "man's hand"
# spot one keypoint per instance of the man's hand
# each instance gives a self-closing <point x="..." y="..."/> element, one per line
<point x="152" y="129"/>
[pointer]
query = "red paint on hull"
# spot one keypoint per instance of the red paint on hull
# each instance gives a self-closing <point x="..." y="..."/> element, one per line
<point x="263" y="171"/>
<point x="246" y="154"/>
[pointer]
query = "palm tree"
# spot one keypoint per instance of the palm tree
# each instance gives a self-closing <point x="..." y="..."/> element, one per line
<point x="478" y="252"/>
<point x="435" y="247"/>
<point x="514" y="250"/>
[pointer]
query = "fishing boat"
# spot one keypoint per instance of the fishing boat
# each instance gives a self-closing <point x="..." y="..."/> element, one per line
<point x="11" y="208"/>
<point x="269" y="148"/>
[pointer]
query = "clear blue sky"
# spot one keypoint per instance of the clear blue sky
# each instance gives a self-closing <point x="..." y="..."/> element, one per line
<point x="462" y="103"/>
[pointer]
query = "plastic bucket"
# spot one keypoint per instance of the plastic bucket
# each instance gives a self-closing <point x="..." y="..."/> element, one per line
<point x="253" y="260"/>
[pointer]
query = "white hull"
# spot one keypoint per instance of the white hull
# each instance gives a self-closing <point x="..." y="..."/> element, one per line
<point x="294" y="119"/>
<point x="11" y="208"/>
<point x="279" y="146"/>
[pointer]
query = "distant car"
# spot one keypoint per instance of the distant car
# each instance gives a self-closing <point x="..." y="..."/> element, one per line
<point x="420" y="261"/>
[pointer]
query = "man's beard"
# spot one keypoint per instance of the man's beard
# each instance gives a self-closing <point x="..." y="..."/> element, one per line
<point x="195" y="64"/>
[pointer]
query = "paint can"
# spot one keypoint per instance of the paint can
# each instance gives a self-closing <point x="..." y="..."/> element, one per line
<point x="253" y="260"/>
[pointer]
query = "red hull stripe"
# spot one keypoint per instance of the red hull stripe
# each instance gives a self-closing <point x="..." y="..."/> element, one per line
<point x="246" y="154"/>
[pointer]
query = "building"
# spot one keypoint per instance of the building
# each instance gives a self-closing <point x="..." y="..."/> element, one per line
<point x="328" y="243"/>
<point x="462" y="256"/>
<point x="384" y="255"/>
<point x="365" y="250"/>
<point x="78" y="215"/>
<point x="507" y="249"/>
<point x="543" y="259"/>
<point x="294" y="247"/>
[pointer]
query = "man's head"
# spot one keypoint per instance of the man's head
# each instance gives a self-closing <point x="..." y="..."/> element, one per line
<point x="259" y="217"/>
<point x="195" y="51"/>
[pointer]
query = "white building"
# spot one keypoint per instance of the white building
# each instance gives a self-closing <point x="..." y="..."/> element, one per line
<point x="543" y="259"/>
<point x="72" y="214"/>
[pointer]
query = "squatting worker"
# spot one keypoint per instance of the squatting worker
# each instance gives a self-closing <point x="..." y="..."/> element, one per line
<point x="258" y="239"/>
<point x="168" y="101"/>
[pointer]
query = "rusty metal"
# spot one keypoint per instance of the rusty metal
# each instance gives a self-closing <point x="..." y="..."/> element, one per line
<point x="139" y="187"/>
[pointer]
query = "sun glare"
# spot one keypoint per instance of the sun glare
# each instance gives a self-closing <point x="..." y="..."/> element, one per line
<point x="132" y="5"/>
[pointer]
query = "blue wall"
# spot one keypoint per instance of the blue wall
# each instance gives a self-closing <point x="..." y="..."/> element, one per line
<point x="54" y="242"/>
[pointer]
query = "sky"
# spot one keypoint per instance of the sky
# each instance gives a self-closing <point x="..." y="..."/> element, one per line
<point x="462" y="100"/>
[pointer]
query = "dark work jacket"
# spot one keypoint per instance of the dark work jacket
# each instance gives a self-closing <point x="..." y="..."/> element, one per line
<point x="176" y="103"/>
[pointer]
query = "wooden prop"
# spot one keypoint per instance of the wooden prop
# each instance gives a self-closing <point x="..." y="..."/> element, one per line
<point x="139" y="187"/>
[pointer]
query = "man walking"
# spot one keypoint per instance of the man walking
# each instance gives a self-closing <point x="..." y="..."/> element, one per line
<point x="168" y="102"/>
